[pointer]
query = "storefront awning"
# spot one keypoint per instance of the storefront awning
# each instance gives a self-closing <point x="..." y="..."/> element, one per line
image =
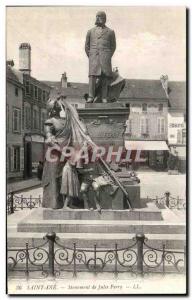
<point x="146" y="145"/>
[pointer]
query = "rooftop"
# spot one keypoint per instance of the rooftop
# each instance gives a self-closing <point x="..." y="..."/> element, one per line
<point x="134" y="89"/>
<point x="14" y="75"/>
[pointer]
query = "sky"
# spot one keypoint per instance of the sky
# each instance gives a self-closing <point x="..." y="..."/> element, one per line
<point x="150" y="40"/>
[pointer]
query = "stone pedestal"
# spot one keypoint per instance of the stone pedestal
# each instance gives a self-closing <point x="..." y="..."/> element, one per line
<point x="105" y="122"/>
<point x="106" y="126"/>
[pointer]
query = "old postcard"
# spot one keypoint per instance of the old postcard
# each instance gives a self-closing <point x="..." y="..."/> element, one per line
<point x="96" y="150"/>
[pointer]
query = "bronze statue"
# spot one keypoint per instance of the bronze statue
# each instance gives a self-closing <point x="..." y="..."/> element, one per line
<point x="100" y="46"/>
<point x="65" y="178"/>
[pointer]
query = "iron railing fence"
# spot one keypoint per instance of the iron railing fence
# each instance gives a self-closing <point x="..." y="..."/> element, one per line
<point x="55" y="259"/>
<point x="15" y="202"/>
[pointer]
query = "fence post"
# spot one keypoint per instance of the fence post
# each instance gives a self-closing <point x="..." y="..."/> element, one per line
<point x="167" y="195"/>
<point x="39" y="200"/>
<point x="11" y="204"/>
<point x="74" y="261"/>
<point x="51" y="240"/>
<point x="140" y="241"/>
<point x="30" y="201"/>
<point x="22" y="202"/>
<point x="27" y="261"/>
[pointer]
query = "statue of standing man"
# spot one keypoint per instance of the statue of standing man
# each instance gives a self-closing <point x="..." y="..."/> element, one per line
<point x="100" y="46"/>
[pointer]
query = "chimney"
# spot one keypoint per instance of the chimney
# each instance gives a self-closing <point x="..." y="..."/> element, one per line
<point x="25" y="58"/>
<point x="64" y="80"/>
<point x="164" y="82"/>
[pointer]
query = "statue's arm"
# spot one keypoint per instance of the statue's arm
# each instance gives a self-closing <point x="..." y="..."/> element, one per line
<point x="87" y="43"/>
<point x="113" y="42"/>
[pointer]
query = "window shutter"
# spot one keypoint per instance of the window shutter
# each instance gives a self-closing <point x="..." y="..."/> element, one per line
<point x="22" y="158"/>
<point x="19" y="122"/>
<point x="13" y="119"/>
<point x="12" y="159"/>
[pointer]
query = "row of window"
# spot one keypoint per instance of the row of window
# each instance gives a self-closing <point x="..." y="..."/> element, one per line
<point x="38" y="118"/>
<point x="144" y="106"/>
<point x="35" y="92"/>
<point x="144" y="126"/>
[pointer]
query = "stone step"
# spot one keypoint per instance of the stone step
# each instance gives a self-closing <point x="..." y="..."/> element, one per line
<point x="152" y="213"/>
<point x="102" y="240"/>
<point x="100" y="226"/>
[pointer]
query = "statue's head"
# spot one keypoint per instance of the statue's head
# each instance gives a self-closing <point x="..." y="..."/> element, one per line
<point x="56" y="107"/>
<point x="100" y="18"/>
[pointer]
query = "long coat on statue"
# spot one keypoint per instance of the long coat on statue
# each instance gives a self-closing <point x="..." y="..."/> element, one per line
<point x="100" y="45"/>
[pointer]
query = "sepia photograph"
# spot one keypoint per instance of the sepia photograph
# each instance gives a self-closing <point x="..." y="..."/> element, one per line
<point x="96" y="134"/>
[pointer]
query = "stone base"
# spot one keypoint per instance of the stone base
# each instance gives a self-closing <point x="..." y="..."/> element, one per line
<point x="117" y="200"/>
<point x="83" y="214"/>
<point x="173" y="172"/>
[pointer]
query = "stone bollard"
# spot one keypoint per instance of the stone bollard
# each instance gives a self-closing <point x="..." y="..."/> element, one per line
<point x="140" y="241"/>
<point x="51" y="240"/>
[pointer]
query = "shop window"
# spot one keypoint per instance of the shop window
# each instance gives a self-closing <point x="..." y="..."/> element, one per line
<point x="16" y="120"/>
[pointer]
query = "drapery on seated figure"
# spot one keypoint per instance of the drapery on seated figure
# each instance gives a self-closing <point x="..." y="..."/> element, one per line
<point x="58" y="135"/>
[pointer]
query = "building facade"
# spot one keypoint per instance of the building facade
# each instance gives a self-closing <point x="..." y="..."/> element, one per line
<point x="14" y="130"/>
<point x="177" y="131"/>
<point x="146" y="128"/>
<point x="26" y="114"/>
<point x="34" y="115"/>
